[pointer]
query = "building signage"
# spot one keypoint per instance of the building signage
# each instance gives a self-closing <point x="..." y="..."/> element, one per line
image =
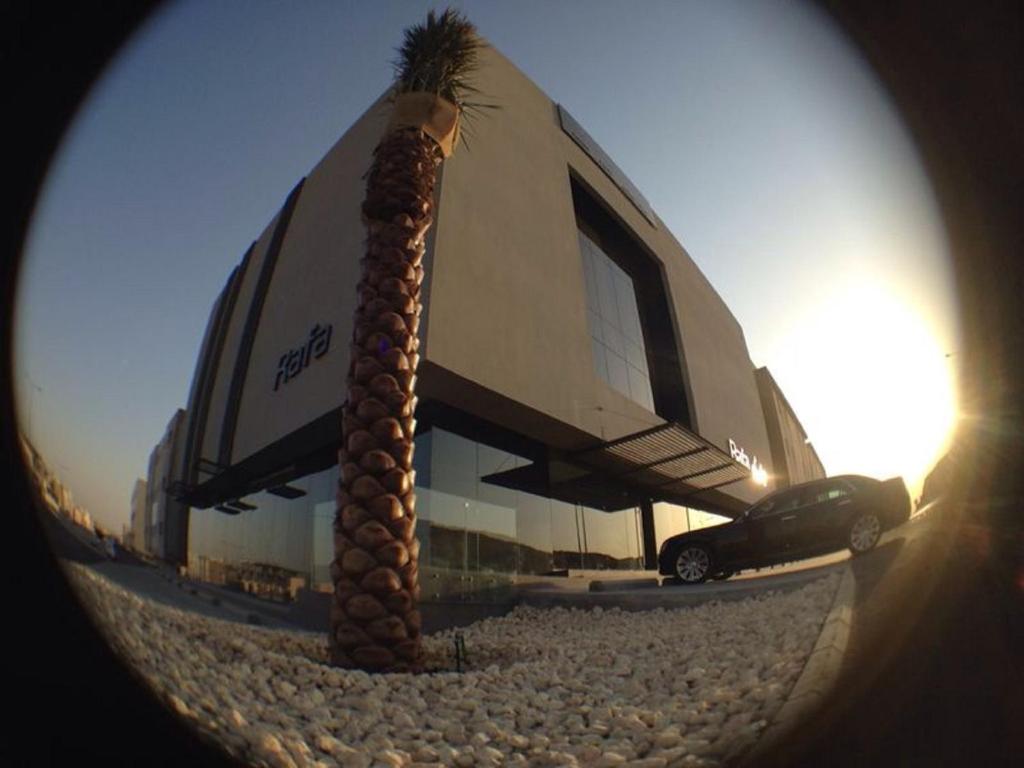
<point x="293" y="362"/>
<point x="757" y="470"/>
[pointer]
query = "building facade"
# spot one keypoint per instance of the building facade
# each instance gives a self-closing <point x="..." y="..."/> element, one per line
<point x="583" y="390"/>
<point x="136" y="538"/>
<point x="794" y="459"/>
<point x="165" y="518"/>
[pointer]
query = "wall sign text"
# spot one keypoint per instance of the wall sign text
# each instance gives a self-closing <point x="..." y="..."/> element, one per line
<point x="293" y="362"/>
<point x="757" y="470"/>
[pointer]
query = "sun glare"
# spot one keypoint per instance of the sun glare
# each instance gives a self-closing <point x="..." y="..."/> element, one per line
<point x="875" y="383"/>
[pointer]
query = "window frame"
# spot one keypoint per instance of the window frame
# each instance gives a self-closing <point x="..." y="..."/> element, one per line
<point x="591" y="257"/>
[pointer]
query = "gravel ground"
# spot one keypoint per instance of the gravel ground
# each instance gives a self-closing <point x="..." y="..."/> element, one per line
<point x="544" y="687"/>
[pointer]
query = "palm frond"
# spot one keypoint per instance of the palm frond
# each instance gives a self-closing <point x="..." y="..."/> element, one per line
<point x="438" y="57"/>
<point x="470" y="110"/>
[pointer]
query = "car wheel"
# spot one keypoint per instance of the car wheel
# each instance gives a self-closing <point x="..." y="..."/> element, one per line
<point x="693" y="564"/>
<point x="864" y="533"/>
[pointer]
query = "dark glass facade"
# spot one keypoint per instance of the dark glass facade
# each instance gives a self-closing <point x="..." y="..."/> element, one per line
<point x="465" y="525"/>
<point x="281" y="545"/>
<point x="469" y="524"/>
<point x="613" y="318"/>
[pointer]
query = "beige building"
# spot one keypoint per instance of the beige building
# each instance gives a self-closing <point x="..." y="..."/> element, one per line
<point x="165" y="517"/>
<point x="581" y="385"/>
<point x="794" y="459"/>
<point x="136" y="538"/>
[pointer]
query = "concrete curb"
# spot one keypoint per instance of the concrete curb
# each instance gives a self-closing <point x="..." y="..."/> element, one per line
<point x="819" y="674"/>
<point x="612" y="585"/>
<point x="648" y="598"/>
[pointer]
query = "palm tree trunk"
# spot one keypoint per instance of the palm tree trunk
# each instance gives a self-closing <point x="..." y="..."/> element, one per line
<point x="374" y="621"/>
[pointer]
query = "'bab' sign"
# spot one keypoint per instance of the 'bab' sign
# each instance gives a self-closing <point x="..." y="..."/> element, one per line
<point x="757" y="470"/>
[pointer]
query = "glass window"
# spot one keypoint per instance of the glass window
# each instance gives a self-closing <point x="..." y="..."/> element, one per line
<point x="273" y="550"/>
<point x="635" y="357"/>
<point x="625" y="299"/>
<point x="609" y="539"/>
<point x="533" y="533"/>
<point x="464" y="525"/>
<point x="614" y="320"/>
<point x="591" y="279"/>
<point x="594" y="323"/>
<point x="600" y="364"/>
<point x="323" y="544"/>
<point x="782" y="502"/>
<point x="421" y="458"/>
<point x="453" y="465"/>
<point x="701" y="519"/>
<point x="639" y="387"/>
<point x="613" y="339"/>
<point x="617" y="374"/>
<point x="669" y="520"/>
<point x="827" y="492"/>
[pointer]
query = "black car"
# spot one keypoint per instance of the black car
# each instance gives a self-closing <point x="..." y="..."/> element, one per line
<point x="800" y="521"/>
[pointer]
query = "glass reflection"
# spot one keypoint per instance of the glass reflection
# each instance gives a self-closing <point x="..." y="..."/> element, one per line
<point x="672" y="519"/>
<point x="268" y="551"/>
<point x="466" y="525"/>
<point x="617" y="341"/>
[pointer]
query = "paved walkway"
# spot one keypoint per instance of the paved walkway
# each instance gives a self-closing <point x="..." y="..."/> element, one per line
<point x="934" y="666"/>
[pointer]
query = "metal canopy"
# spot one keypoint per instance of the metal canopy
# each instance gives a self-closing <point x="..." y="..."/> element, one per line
<point x="587" y="488"/>
<point x="667" y="463"/>
<point x="286" y="491"/>
<point x="666" y="460"/>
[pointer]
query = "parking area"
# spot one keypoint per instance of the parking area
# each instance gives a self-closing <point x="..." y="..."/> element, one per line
<point x="645" y="590"/>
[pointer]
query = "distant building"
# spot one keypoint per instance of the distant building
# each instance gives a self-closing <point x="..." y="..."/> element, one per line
<point x="81" y="516"/>
<point x="57" y="497"/>
<point x="137" y="526"/>
<point x="33" y="459"/>
<point x="793" y="458"/>
<point x="165" y="519"/>
<point x="65" y="497"/>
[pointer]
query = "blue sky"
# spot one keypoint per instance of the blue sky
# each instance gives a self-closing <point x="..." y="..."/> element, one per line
<point x="758" y="135"/>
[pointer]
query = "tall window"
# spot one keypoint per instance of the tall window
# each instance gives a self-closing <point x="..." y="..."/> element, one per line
<point x="617" y="341"/>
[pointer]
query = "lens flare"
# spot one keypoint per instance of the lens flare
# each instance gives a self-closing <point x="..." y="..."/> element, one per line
<point x="876" y="381"/>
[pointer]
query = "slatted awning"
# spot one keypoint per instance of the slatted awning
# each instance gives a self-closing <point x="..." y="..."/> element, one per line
<point x="667" y="460"/>
<point x="667" y="463"/>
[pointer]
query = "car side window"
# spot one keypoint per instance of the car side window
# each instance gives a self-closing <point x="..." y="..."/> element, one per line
<point x="828" y="492"/>
<point x="788" y="503"/>
<point x="776" y="505"/>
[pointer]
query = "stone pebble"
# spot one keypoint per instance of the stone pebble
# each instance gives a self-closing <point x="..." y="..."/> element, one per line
<point x="654" y="689"/>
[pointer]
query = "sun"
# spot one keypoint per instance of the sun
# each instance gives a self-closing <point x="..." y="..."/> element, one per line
<point x="874" y="384"/>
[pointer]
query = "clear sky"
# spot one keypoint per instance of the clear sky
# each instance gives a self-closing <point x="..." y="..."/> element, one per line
<point x="757" y="133"/>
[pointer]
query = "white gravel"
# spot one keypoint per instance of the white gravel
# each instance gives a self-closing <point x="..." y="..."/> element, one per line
<point x="545" y="687"/>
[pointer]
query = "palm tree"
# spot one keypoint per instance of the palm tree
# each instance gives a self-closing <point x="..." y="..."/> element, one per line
<point x="374" y="621"/>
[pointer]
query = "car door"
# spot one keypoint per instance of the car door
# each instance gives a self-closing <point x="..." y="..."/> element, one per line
<point x="819" y="523"/>
<point x="771" y="525"/>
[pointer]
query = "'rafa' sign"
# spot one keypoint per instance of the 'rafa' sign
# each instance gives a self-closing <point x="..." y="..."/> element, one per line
<point x="295" y="361"/>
